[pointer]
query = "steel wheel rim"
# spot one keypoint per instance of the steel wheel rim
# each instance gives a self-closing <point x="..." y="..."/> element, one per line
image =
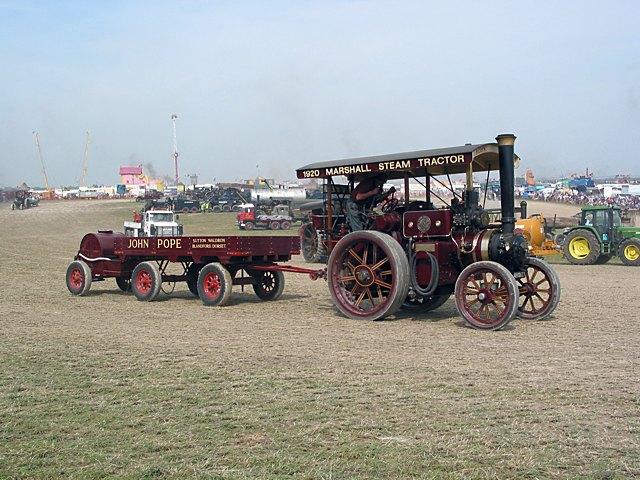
<point x="363" y="277"/>
<point x="632" y="252"/>
<point x="267" y="282"/>
<point x="144" y="282"/>
<point x="76" y="278"/>
<point x="485" y="297"/>
<point x="535" y="293"/>
<point x="579" y="247"/>
<point x="212" y="285"/>
<point x="311" y="239"/>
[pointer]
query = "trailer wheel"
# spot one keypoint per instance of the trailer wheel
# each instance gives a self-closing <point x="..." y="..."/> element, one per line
<point x="486" y="295"/>
<point x="192" y="278"/>
<point x="226" y="208"/>
<point x="268" y="285"/>
<point x="216" y="209"/>
<point x="78" y="278"/>
<point x="368" y="275"/>
<point x="629" y="252"/>
<point x="185" y="210"/>
<point x="146" y="281"/>
<point x="124" y="283"/>
<point x="539" y="290"/>
<point x="285" y="225"/>
<point x="249" y="225"/>
<point x="194" y="210"/>
<point x="214" y="284"/>
<point x="274" y="225"/>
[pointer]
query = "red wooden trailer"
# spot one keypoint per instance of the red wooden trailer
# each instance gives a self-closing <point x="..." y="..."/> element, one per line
<point x="210" y="265"/>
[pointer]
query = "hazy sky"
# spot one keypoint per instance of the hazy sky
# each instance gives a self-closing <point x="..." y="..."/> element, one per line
<point x="282" y="84"/>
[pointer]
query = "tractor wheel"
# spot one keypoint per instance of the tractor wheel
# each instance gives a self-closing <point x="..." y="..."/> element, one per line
<point x="581" y="247"/>
<point x="274" y="225"/>
<point x="285" y="225"/>
<point x="192" y="278"/>
<point x="226" y="208"/>
<point x="539" y="290"/>
<point x="78" y="278"/>
<point x="214" y="284"/>
<point x="268" y="285"/>
<point x="216" y="209"/>
<point x="422" y="304"/>
<point x="486" y="295"/>
<point x="194" y="210"/>
<point x="124" y="283"/>
<point x="368" y="275"/>
<point x="249" y="225"/>
<point x="13" y="206"/>
<point x="629" y="252"/>
<point x="559" y="239"/>
<point x="146" y="281"/>
<point x="312" y="248"/>
<point x="185" y="210"/>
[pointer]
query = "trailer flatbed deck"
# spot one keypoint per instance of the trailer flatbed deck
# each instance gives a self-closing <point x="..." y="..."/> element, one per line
<point x="210" y="264"/>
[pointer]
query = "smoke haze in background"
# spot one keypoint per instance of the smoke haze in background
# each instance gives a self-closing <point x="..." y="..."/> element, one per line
<point x="282" y="84"/>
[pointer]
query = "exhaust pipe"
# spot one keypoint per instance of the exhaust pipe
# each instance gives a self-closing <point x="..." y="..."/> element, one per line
<point x="507" y="181"/>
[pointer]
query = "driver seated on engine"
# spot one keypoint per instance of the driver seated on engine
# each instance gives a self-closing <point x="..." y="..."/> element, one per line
<point x="364" y="197"/>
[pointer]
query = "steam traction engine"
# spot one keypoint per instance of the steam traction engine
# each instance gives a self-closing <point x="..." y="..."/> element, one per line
<point x="414" y="255"/>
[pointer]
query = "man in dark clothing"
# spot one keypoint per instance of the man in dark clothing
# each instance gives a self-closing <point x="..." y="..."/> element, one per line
<point x="364" y="197"/>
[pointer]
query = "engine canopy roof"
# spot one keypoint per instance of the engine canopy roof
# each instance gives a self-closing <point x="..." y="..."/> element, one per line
<point x="438" y="161"/>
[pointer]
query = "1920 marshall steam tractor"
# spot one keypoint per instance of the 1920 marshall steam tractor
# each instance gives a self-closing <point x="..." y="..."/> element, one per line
<point x="416" y="256"/>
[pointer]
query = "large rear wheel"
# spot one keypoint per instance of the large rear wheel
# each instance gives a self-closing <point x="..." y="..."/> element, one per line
<point x="486" y="295"/>
<point x="124" y="283"/>
<point x="581" y="247"/>
<point x="629" y="252"/>
<point x="368" y="275"/>
<point x="539" y="290"/>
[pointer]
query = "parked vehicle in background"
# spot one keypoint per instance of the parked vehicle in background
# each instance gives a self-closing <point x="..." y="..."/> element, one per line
<point x="280" y="218"/>
<point x="153" y="223"/>
<point x="24" y="200"/>
<point x="149" y="195"/>
<point x="599" y="237"/>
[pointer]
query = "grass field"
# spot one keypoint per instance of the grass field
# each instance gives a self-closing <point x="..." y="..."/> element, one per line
<point x="106" y="386"/>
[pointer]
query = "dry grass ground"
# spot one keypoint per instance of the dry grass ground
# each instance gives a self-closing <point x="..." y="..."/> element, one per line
<point x="107" y="386"/>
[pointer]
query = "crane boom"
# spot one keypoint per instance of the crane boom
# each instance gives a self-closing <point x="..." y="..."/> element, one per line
<point x="175" y="148"/>
<point x="85" y="160"/>
<point x="44" y="170"/>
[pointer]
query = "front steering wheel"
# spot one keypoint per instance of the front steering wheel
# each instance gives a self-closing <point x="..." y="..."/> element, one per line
<point x="389" y="205"/>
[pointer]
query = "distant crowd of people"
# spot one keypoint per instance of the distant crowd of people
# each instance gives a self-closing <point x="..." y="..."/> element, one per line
<point x="627" y="202"/>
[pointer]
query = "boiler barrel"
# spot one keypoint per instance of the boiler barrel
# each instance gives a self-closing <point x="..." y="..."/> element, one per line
<point x="99" y="245"/>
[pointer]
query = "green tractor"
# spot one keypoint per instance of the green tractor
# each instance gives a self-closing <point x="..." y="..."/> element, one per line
<point x="599" y="237"/>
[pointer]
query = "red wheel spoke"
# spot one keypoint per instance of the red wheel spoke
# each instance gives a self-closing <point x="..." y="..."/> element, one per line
<point x="385" y="273"/>
<point x="370" y="297"/>
<point x="364" y="254"/>
<point x="535" y="273"/>
<point x="382" y="284"/>
<point x="379" y="264"/>
<point x="355" y="255"/>
<point x="360" y="298"/>
<point x="379" y="293"/>
<point x="347" y="278"/>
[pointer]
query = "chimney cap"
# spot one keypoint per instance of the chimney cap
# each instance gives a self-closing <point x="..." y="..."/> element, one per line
<point x="506" y="139"/>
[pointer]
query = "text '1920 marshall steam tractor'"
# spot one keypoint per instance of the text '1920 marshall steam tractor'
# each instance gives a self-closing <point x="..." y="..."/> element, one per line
<point x="414" y="255"/>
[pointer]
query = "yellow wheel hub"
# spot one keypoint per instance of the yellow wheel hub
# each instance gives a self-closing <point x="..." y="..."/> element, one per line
<point x="579" y="247"/>
<point x="632" y="252"/>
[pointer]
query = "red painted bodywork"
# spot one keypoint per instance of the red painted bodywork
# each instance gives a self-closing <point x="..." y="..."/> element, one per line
<point x="112" y="254"/>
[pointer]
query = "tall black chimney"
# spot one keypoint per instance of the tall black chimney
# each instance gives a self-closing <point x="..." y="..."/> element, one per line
<point x="507" y="179"/>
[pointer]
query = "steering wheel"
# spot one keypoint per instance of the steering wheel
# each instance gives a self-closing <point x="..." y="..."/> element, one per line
<point x="389" y="204"/>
